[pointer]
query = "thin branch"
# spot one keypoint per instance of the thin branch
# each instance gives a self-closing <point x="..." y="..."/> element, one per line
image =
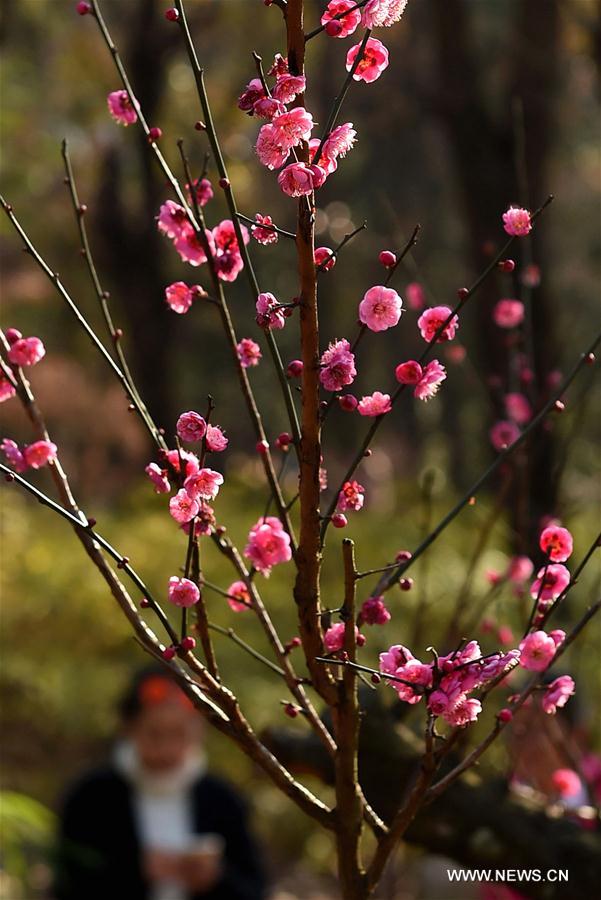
<point x="386" y="583"/>
<point x="339" y="100"/>
<point x="273" y="228"/>
<point x="359" y="456"/>
<point x="199" y="231"/>
<point x="114" y="333"/>
<point x="249" y="272"/>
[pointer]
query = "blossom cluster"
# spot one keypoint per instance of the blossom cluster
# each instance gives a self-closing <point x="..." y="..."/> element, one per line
<point x="447" y="682"/>
<point x="222" y="243"/>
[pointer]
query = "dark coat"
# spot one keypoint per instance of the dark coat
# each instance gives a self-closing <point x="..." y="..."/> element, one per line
<point x="99" y="852"/>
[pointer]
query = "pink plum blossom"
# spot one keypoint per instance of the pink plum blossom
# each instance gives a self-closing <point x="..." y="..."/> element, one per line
<point x="121" y="108"/>
<point x="293" y="127"/>
<point x="182" y="507"/>
<point x="328" y="164"/>
<point x="337" y="366"/>
<point x="264" y="235"/>
<point x="352" y="496"/>
<point x="190" y="460"/>
<point x="503" y="434"/>
<point x="537" y="651"/>
<point x="191" y="427"/>
<point x="183" y="592"/>
<point x="380" y="308"/>
<point x="433" y="376"/>
<point x="189" y="247"/>
<point x="269" y="149"/>
<point x="374" y="612"/>
<point x="508" y="313"/>
<point x="288" y="87"/>
<point x="557" y="543"/>
<point x="249" y="353"/>
<point x="518" y="408"/>
<point x="253" y="92"/>
<point x="377" y="13"/>
<point x="179" y="296"/>
<point x="238" y="590"/>
<point x="227" y="258"/>
<point x="268" y="544"/>
<point x="13" y="455"/>
<point x="215" y="440"/>
<point x="39" y="454"/>
<point x="268" y="108"/>
<point x="373" y="61"/>
<point x="158" y="477"/>
<point x="393" y="658"/>
<point x="203" y="485"/>
<point x="339" y="141"/>
<point x="299" y="179"/>
<point x="334" y="637"/>
<point x="376" y="404"/>
<point x="7" y="390"/>
<point x="203" y="189"/>
<point x="517" y="221"/>
<point x="416" y="296"/>
<point x="558" y="636"/>
<point x="349" y="22"/>
<point x="269" y="312"/>
<point x="520" y="569"/>
<point x="26" y="351"/>
<point x="172" y="220"/>
<point x="415" y="672"/>
<point x="550" y="582"/>
<point x="463" y="711"/>
<point x="432" y="319"/>
<point x="558" y="693"/>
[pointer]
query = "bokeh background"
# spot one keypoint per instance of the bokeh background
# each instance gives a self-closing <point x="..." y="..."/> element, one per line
<point x="484" y="103"/>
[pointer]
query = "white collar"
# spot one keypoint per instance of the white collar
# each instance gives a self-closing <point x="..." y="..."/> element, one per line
<point x="127" y="762"/>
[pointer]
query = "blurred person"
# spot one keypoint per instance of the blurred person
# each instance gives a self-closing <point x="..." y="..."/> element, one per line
<point x="152" y="824"/>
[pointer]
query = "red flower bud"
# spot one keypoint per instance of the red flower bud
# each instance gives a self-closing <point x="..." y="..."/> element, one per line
<point x="333" y="28"/>
<point x="387" y="258"/>
<point x="188" y="643"/>
<point x="294" y="368"/>
<point x="507" y="265"/>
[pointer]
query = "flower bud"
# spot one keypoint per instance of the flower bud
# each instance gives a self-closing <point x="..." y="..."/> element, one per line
<point x="387" y="258"/>
<point x="348" y="402"/>
<point x="188" y="643"/>
<point x="339" y="520"/>
<point x="294" y="368"/>
<point x="333" y="28"/>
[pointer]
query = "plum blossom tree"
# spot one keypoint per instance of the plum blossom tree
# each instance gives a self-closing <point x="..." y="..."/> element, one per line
<point x="451" y="686"/>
